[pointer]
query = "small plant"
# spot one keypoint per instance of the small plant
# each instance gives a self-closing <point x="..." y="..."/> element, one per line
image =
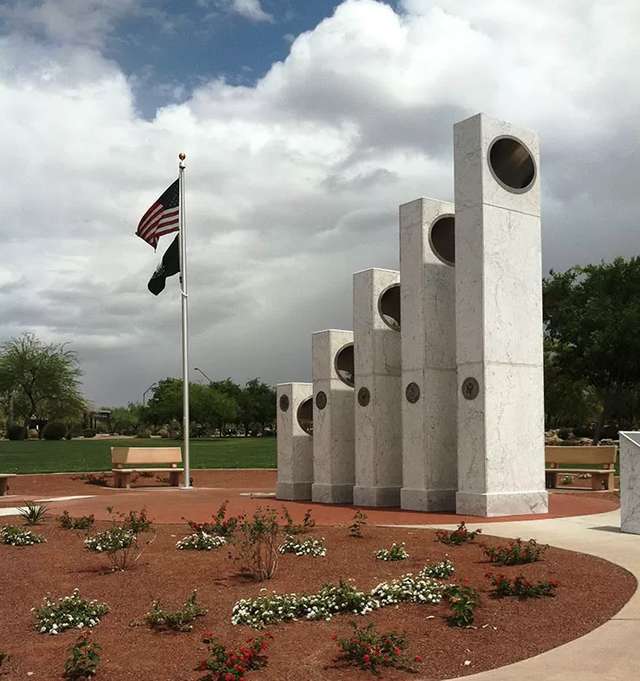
<point x="177" y="620"/>
<point x="358" y="522"/>
<point x="224" y="665"/>
<point x="308" y="523"/>
<point x="395" y="552"/>
<point x="3" y="658"/>
<point x="32" y="513"/>
<point x="460" y="535"/>
<point x="54" y="430"/>
<point x="255" y="543"/>
<point x="83" y="522"/>
<point x="100" y="479"/>
<point x="463" y="601"/>
<point x="83" y="660"/>
<point x="118" y="543"/>
<point x="221" y="525"/>
<point x="17" y="536"/>
<point x="566" y="480"/>
<point x="68" y="612"/>
<point x="200" y="541"/>
<point x="520" y="587"/>
<point x="516" y="553"/>
<point x="370" y="650"/>
<point x="136" y="521"/>
<point x="309" y="547"/>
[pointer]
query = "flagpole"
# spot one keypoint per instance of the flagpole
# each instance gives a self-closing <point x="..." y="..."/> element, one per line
<point x="185" y="324"/>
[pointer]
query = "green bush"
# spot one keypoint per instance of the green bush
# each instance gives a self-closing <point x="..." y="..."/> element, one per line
<point x="54" y="430"/>
<point x="88" y="432"/>
<point x="16" y="432"/>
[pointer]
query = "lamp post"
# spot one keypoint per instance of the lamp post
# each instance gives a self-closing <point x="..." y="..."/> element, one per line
<point x="203" y="373"/>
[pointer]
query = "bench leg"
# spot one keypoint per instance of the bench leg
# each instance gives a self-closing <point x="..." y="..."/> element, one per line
<point x="599" y="481"/>
<point x="174" y="478"/>
<point x="122" y="479"/>
<point x="3" y="486"/>
<point x="551" y="479"/>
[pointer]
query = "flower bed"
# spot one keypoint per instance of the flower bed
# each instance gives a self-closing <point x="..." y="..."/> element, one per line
<point x="68" y="612"/>
<point x="394" y="552"/>
<point x="200" y="541"/>
<point x="18" y="536"/>
<point x="308" y="547"/>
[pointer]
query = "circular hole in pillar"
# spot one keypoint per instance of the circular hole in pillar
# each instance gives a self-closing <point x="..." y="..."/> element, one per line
<point x="305" y="415"/>
<point x="442" y="239"/>
<point x="284" y="402"/>
<point x="512" y="164"/>
<point x="389" y="306"/>
<point x="344" y="364"/>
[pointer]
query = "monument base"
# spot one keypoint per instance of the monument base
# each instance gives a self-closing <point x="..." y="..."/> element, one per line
<point x="502" y="503"/>
<point x="322" y="493"/>
<point x="376" y="496"/>
<point x="293" y="491"/>
<point x="429" y="500"/>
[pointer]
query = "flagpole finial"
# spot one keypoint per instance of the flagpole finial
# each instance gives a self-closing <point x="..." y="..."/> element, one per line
<point x="182" y="157"/>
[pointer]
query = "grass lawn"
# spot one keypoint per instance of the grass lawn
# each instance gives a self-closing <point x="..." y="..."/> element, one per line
<point x="41" y="456"/>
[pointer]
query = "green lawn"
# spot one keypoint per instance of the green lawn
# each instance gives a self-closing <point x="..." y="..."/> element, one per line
<point x="35" y="456"/>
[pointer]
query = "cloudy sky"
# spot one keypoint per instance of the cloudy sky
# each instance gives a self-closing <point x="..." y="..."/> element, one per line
<point x="306" y="123"/>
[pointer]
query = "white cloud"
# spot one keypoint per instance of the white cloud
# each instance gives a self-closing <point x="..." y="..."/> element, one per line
<point x="251" y="9"/>
<point x="294" y="184"/>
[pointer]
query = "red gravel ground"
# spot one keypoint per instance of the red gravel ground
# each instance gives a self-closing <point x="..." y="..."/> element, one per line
<point x="591" y="591"/>
<point x="212" y="487"/>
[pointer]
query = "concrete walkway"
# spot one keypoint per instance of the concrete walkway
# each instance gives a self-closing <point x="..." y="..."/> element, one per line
<point x="612" y="651"/>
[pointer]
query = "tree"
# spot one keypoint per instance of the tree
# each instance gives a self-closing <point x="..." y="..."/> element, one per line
<point x="40" y="381"/>
<point x="592" y="321"/>
<point x="257" y="405"/>
<point x="126" y="420"/>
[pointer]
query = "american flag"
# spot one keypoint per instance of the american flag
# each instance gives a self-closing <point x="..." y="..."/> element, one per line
<point x="162" y="218"/>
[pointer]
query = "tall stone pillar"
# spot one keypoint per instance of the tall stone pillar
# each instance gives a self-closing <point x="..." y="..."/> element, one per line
<point x="378" y="429"/>
<point x="295" y="442"/>
<point x="333" y="426"/>
<point x="429" y="388"/>
<point x="499" y="320"/>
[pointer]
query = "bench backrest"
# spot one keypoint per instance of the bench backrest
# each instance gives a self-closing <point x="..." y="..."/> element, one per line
<point x="142" y="455"/>
<point x="605" y="454"/>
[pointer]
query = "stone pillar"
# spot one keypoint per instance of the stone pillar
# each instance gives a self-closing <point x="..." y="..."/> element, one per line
<point x="378" y="430"/>
<point x="498" y="319"/>
<point x="295" y="442"/>
<point x="333" y="439"/>
<point x="429" y="388"/>
<point x="630" y="482"/>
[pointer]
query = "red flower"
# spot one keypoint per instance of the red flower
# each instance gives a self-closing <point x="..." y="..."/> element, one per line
<point x="366" y="659"/>
<point x="228" y="676"/>
<point x="417" y="658"/>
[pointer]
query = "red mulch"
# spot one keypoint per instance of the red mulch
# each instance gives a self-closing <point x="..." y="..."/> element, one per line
<point x="591" y="591"/>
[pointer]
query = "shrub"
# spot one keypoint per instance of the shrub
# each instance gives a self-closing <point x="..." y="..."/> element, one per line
<point x="16" y="432"/>
<point x="136" y="521"/>
<point x="54" y="430"/>
<point x="200" y="541"/>
<point x="358" y="522"/>
<point x="118" y="543"/>
<point x="395" y="552"/>
<point x="68" y="612"/>
<point x="177" y="620"/>
<point x="221" y="525"/>
<point x="370" y="650"/>
<point x="516" y="553"/>
<point x="33" y="514"/>
<point x="83" y="522"/>
<point x="17" y="536"/>
<point x="308" y="523"/>
<point x="3" y="658"/>
<point x="343" y="597"/>
<point x="463" y="601"/>
<point x="88" y="432"/>
<point x="460" y="535"/>
<point x="520" y="587"/>
<point x="309" y="547"/>
<point x="83" y="660"/>
<point x="224" y="665"/>
<point x="255" y="544"/>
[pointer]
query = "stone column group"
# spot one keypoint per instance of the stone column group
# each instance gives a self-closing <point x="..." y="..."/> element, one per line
<point x="434" y="402"/>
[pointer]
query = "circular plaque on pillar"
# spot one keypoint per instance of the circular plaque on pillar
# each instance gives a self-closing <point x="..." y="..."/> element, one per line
<point x="284" y="402"/>
<point x="470" y="388"/>
<point x="321" y="400"/>
<point x="412" y="392"/>
<point x="364" y="396"/>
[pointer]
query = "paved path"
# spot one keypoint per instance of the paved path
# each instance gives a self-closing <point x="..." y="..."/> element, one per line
<point x="612" y="651"/>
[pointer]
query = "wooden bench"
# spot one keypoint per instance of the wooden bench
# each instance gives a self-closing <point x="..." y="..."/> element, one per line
<point x="4" y="479"/>
<point x="148" y="456"/>
<point x="558" y="461"/>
